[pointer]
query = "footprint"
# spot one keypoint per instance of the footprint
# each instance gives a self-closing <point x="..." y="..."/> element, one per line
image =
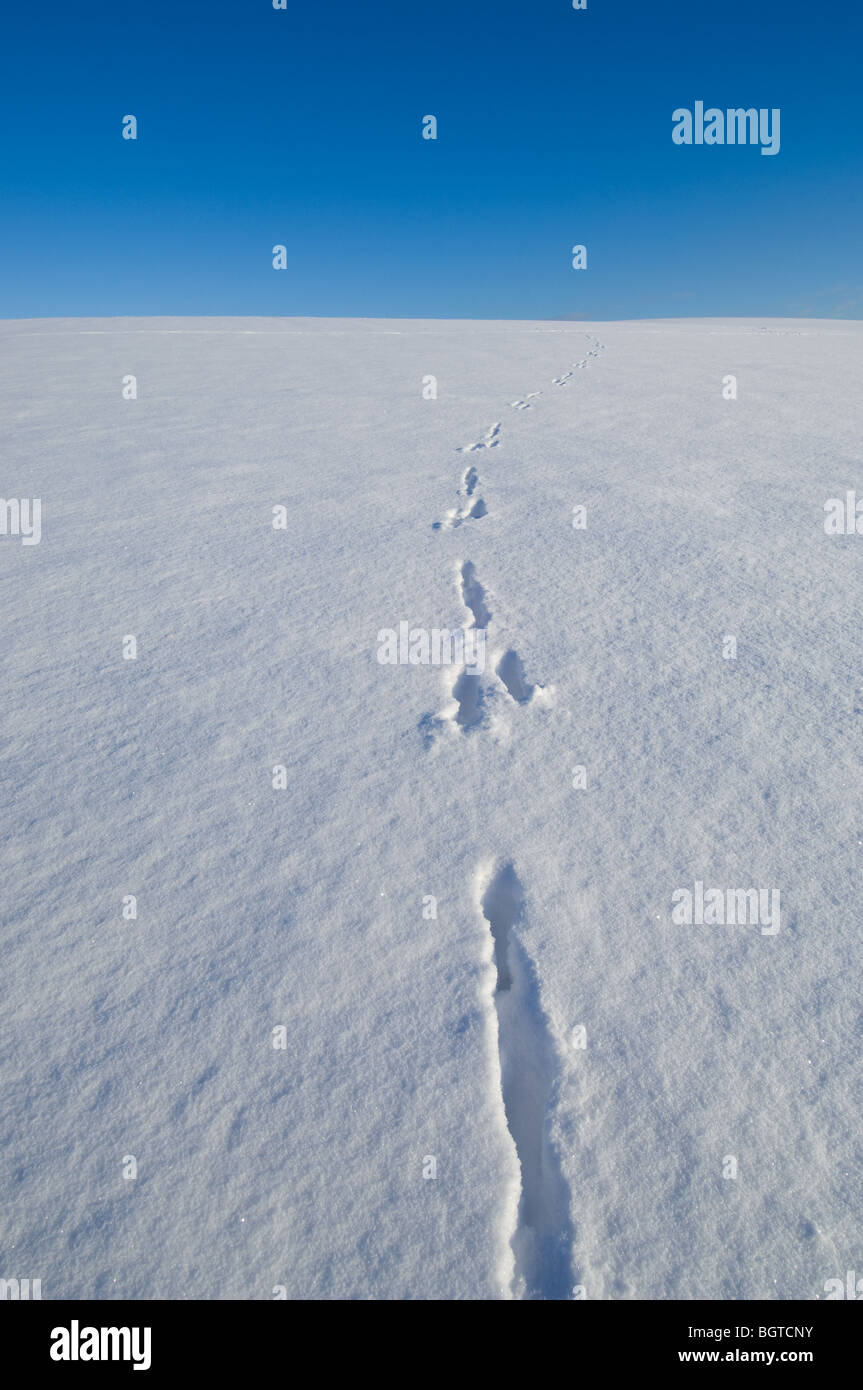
<point x="475" y="698"/>
<point x="473" y="595"/>
<point x="489" y="440"/>
<point x="529" y="1069"/>
<point x="511" y="671"/>
<point x="454" y="517"/>
<point x="467" y="691"/>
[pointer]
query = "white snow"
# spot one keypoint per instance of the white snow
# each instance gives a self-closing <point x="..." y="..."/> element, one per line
<point x="409" y="1037"/>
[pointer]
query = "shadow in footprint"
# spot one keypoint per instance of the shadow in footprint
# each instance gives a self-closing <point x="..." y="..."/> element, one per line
<point x="474" y="595"/>
<point x="511" y="672"/>
<point x="542" y="1241"/>
<point x="468" y="692"/>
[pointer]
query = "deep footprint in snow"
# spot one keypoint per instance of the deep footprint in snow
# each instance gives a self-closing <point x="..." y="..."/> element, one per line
<point x="467" y="691"/>
<point x="543" y="1236"/>
<point x="473" y="595"/>
<point x="511" y="671"/>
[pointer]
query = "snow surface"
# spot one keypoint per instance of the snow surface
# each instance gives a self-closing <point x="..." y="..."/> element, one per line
<point x="409" y="1037"/>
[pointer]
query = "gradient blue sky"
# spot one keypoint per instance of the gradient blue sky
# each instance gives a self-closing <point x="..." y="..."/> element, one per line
<point x="259" y="126"/>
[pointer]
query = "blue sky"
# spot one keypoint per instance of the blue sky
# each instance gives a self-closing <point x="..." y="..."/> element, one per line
<point x="303" y="127"/>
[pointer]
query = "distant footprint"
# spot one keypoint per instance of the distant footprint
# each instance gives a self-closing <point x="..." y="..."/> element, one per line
<point x="489" y="440"/>
<point x="525" y="404"/>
